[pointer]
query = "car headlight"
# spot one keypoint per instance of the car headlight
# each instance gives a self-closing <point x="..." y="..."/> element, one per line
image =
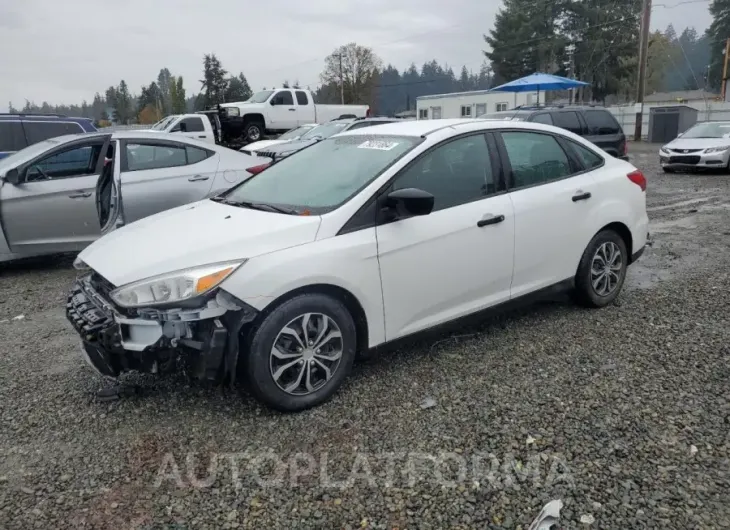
<point x="175" y="286"/>
<point x="717" y="149"/>
<point x="664" y="150"/>
<point x="79" y="265"/>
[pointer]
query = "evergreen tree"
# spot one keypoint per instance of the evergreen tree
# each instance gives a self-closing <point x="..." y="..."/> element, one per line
<point x="238" y="88"/>
<point x="214" y="82"/>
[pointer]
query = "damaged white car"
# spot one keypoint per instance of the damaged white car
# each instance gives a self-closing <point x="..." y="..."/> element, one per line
<point x="363" y="238"/>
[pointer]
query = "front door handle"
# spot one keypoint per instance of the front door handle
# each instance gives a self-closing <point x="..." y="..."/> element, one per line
<point x="581" y="197"/>
<point x="203" y="136"/>
<point x="493" y="220"/>
<point x="196" y="178"/>
<point x="292" y="110"/>
<point x="80" y="195"/>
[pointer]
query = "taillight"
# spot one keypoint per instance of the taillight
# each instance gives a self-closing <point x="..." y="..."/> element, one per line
<point x="638" y="178"/>
<point x="626" y="148"/>
<point x="258" y="169"/>
<point x="368" y="112"/>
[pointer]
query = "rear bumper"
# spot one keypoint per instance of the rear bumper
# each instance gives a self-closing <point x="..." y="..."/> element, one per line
<point x="625" y="158"/>
<point x="113" y="344"/>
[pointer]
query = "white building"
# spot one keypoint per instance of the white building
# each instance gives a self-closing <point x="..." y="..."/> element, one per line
<point x="470" y="104"/>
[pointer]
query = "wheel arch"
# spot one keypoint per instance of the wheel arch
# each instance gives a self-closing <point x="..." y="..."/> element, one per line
<point x="624" y="232"/>
<point x="350" y="301"/>
<point x="253" y="116"/>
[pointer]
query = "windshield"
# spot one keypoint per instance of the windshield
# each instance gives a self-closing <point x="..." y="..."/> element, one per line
<point x="296" y="133"/>
<point x="164" y="122"/>
<point x="260" y="97"/>
<point x="717" y="129"/>
<point x="26" y="154"/>
<point x="326" y="130"/>
<point x="322" y="177"/>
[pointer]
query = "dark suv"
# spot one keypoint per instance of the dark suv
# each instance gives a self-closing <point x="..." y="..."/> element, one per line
<point x="595" y="124"/>
<point x="18" y="131"/>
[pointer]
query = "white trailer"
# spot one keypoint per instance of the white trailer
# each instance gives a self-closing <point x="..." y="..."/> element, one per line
<point x="470" y="104"/>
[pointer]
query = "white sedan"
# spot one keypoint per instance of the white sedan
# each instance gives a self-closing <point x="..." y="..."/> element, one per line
<point x="705" y="145"/>
<point x="57" y="194"/>
<point x="289" y="136"/>
<point x="361" y="239"/>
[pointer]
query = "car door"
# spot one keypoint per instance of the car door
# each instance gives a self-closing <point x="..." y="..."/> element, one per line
<point x="53" y="208"/>
<point x="305" y="108"/>
<point x="160" y="174"/>
<point x="283" y="112"/>
<point x="457" y="259"/>
<point x="193" y="127"/>
<point x="552" y="199"/>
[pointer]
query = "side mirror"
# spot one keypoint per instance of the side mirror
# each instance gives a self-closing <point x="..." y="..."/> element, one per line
<point x="183" y="127"/>
<point x="13" y="176"/>
<point x="409" y="202"/>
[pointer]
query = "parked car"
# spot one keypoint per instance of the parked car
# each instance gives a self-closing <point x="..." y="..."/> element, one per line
<point x="289" y="136"/>
<point x="57" y="194"/>
<point x="368" y="236"/>
<point x="277" y="111"/>
<point x="705" y="145"/>
<point x="318" y="134"/>
<point x="18" y="131"/>
<point x="196" y="126"/>
<point x="595" y="124"/>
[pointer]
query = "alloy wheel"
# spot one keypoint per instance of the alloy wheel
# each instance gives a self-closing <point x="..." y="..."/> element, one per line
<point x="606" y="268"/>
<point x="306" y="353"/>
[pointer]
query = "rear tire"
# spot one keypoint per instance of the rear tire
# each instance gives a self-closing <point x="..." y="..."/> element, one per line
<point x="602" y="270"/>
<point x="290" y="369"/>
<point x="667" y="170"/>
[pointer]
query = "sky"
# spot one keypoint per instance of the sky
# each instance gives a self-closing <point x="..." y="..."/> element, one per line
<point x="64" y="52"/>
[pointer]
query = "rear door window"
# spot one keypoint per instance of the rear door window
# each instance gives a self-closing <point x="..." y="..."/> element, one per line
<point x="536" y="158"/>
<point x="142" y="156"/>
<point x="542" y="118"/>
<point x="12" y="137"/>
<point x="302" y="97"/>
<point x="601" y="122"/>
<point x="567" y="120"/>
<point x="37" y="131"/>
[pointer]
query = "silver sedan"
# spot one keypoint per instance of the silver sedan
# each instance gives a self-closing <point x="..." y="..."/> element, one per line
<point x="705" y="145"/>
<point x="56" y="195"/>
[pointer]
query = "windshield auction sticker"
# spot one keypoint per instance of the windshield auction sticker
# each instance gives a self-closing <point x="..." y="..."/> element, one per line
<point x="380" y="145"/>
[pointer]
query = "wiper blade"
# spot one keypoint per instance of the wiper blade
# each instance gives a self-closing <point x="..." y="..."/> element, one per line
<point x="256" y="206"/>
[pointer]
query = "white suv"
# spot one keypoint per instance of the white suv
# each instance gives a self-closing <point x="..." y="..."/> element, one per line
<point x="360" y="239"/>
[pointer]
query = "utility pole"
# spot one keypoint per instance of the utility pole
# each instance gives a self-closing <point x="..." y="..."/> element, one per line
<point x="643" y="55"/>
<point x="724" y="69"/>
<point x="342" y="81"/>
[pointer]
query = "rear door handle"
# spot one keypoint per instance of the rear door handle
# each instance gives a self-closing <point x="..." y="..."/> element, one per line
<point x="80" y="195"/>
<point x="196" y="178"/>
<point x="493" y="220"/>
<point x="581" y="197"/>
<point x="203" y="136"/>
<point x="292" y="110"/>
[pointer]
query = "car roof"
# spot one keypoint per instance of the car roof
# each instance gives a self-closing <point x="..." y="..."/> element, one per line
<point x="411" y="128"/>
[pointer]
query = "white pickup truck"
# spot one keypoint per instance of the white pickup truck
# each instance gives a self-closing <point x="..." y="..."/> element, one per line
<point x="196" y="126"/>
<point x="279" y="110"/>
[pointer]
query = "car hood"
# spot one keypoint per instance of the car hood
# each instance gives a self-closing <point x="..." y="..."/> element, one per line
<point x="195" y="234"/>
<point x="260" y="145"/>
<point x="697" y="143"/>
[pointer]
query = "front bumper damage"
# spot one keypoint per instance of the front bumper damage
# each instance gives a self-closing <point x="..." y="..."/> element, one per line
<point x="205" y="335"/>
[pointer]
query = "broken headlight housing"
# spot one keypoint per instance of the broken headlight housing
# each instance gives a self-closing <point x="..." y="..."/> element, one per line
<point x="175" y="286"/>
<point x="79" y="265"/>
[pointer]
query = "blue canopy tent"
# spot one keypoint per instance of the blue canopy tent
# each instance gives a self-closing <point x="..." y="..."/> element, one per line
<point x="538" y="81"/>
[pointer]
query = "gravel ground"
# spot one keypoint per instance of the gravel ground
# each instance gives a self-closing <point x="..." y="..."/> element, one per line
<point x="621" y="413"/>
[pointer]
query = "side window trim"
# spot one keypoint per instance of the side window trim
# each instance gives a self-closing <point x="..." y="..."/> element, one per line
<point x="502" y="148"/>
<point x="362" y="219"/>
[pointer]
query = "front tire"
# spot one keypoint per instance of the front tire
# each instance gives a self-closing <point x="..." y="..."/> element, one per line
<point x="253" y="131"/>
<point x="602" y="270"/>
<point x="301" y="352"/>
<point x="667" y="170"/>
